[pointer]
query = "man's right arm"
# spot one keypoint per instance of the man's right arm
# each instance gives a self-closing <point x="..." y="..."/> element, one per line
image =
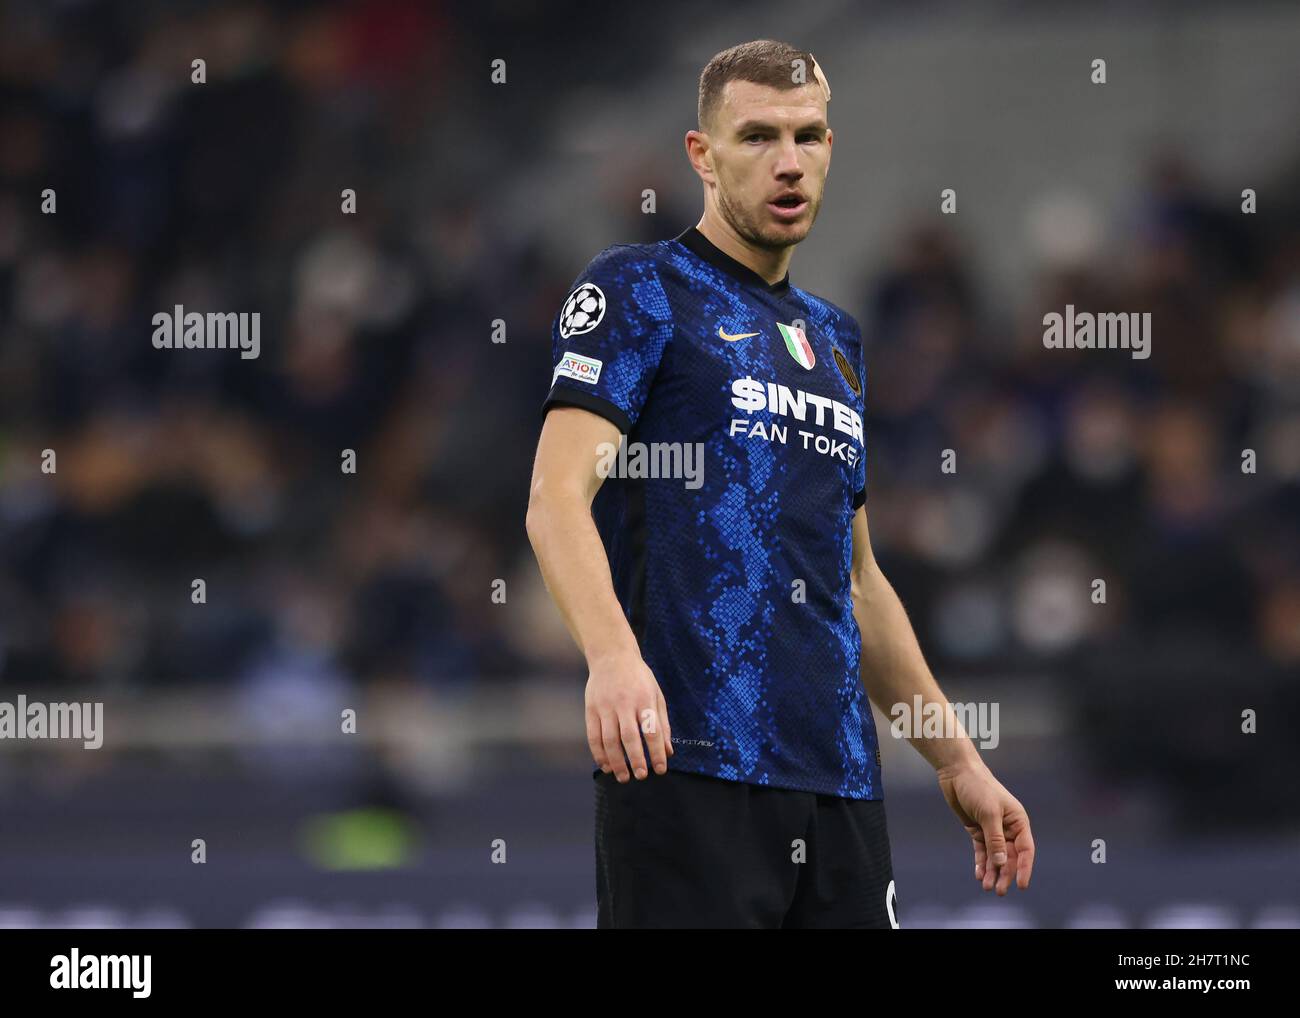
<point x="623" y="699"/>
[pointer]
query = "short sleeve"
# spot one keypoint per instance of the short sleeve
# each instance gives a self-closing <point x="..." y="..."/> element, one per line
<point x="860" y="470"/>
<point x="609" y="337"/>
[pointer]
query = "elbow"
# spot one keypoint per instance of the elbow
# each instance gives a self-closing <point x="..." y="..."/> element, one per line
<point x="552" y="507"/>
<point x="862" y="578"/>
<point x="540" y="512"/>
<point x="533" y="519"/>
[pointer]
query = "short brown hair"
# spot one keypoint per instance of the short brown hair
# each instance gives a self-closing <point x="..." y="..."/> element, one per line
<point x="763" y="61"/>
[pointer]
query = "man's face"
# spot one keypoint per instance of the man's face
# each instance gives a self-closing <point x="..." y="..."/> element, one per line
<point x="770" y="151"/>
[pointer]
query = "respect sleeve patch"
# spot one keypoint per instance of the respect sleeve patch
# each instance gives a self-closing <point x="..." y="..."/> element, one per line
<point x="583" y="369"/>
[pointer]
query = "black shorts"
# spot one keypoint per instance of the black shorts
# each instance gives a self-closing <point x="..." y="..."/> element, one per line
<point x="686" y="850"/>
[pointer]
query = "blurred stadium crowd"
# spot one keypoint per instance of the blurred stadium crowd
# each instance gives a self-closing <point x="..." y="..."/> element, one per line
<point x="376" y="336"/>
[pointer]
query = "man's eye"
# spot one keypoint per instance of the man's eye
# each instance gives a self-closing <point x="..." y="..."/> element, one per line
<point x="753" y="136"/>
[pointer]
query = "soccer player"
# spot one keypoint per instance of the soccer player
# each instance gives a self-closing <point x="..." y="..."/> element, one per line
<point x="716" y="568"/>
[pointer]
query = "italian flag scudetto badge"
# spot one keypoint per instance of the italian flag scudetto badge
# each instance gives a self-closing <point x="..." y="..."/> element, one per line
<point x="797" y="343"/>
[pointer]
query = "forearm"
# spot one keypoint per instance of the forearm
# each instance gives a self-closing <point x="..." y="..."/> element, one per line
<point x="576" y="572"/>
<point x="894" y="671"/>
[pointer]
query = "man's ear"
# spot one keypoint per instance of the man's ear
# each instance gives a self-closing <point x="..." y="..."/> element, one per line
<point x="700" y="138"/>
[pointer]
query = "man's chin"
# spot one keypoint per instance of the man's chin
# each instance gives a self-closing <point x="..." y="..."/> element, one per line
<point x="778" y="235"/>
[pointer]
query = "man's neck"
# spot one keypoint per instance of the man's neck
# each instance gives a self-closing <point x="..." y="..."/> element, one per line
<point x="771" y="265"/>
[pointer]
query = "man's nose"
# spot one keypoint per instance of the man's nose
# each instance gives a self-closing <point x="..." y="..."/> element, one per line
<point x="787" y="164"/>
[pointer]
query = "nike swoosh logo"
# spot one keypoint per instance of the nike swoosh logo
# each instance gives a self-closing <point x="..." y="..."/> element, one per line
<point x="732" y="339"/>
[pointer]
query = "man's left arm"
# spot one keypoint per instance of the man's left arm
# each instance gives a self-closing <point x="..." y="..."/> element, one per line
<point x="894" y="672"/>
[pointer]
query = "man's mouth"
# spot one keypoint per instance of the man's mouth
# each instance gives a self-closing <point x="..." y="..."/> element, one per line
<point x="788" y="206"/>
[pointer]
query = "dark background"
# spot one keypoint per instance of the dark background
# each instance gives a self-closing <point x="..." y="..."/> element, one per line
<point x="479" y="201"/>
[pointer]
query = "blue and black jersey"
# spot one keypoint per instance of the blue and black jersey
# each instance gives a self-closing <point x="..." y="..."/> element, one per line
<point x="727" y="514"/>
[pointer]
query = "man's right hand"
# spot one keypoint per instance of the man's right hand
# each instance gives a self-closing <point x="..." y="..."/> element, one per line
<point x="624" y="702"/>
<point x="623" y="705"/>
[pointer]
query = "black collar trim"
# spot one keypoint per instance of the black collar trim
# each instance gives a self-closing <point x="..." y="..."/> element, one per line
<point x="700" y="245"/>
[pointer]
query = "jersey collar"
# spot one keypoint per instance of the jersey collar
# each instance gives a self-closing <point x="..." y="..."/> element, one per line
<point x="701" y="246"/>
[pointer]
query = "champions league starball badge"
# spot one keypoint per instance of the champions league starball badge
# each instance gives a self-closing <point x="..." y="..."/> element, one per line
<point x="583" y="310"/>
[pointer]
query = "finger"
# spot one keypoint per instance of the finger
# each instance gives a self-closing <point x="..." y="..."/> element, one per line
<point x="985" y="870"/>
<point x="668" y="729"/>
<point x="653" y="730"/>
<point x="593" y="741"/>
<point x="613" y="751"/>
<point x="996" y="845"/>
<point x="981" y="857"/>
<point x="631" y="735"/>
<point x="1024" y="856"/>
<point x="1005" y="873"/>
